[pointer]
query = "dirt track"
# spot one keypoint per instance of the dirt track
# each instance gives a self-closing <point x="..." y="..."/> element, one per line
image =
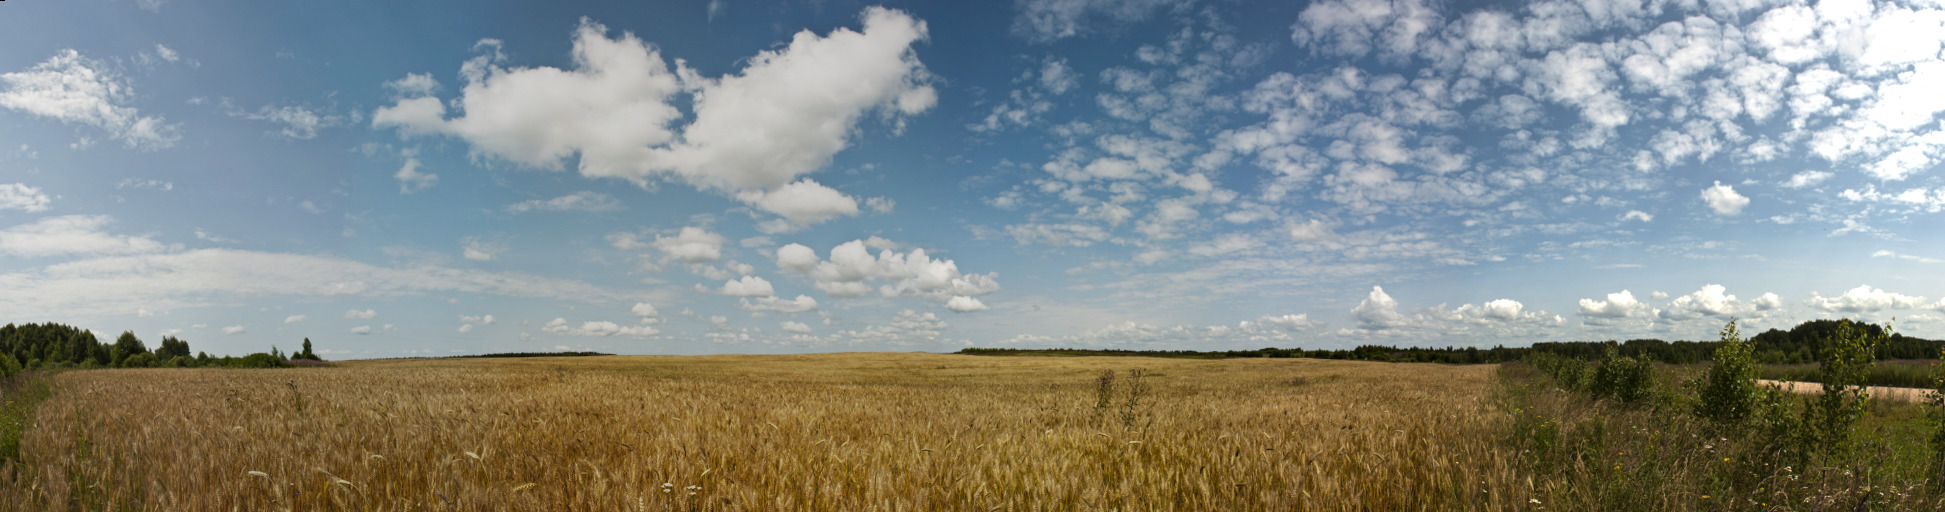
<point x="1889" y="393"/>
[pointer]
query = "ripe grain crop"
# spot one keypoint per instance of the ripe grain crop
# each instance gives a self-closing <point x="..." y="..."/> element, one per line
<point x="803" y="432"/>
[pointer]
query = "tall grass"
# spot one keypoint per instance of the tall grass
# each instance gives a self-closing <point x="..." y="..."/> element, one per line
<point x="821" y="432"/>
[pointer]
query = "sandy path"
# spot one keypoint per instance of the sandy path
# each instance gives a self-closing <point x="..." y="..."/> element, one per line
<point x="1812" y="388"/>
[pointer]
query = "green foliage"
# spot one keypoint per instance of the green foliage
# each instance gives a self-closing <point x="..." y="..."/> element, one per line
<point x="19" y="395"/>
<point x="1729" y="393"/>
<point x="307" y="354"/>
<point x="179" y="362"/>
<point x="130" y="345"/>
<point x="1623" y="378"/>
<point x="171" y="348"/>
<point x="143" y="360"/>
<point x="1847" y="355"/>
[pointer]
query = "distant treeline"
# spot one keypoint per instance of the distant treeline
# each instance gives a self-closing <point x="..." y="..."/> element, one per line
<point x="52" y="345"/>
<point x="532" y="354"/>
<point x="1799" y="345"/>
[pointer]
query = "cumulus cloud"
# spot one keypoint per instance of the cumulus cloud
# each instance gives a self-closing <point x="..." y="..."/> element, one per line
<point x="465" y="328"/>
<point x="19" y="196"/>
<point x="1637" y="215"/>
<point x="754" y="132"/>
<point x="234" y="330"/>
<point x="483" y="319"/>
<point x="964" y="304"/>
<point x="796" y="327"/>
<point x="294" y="319"/>
<point x="1767" y="302"/>
<point x="1378" y="311"/>
<point x="74" y="89"/>
<point x="796" y="258"/>
<point x="361" y="315"/>
<point x="583" y="201"/>
<point x="1724" y="199"/>
<point x="1620" y="304"/>
<point x="645" y="311"/>
<point x="1711" y="300"/>
<point x="1865" y="299"/>
<point x="851" y="268"/>
<point x="598" y="329"/>
<point x="747" y="286"/>
<point x="361" y="330"/>
<point x="71" y="235"/>
<point x="691" y="245"/>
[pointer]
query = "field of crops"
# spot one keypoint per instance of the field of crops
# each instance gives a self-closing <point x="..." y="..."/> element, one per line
<point x="810" y="432"/>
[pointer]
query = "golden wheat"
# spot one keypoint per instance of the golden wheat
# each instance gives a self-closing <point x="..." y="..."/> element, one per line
<point x="808" y="432"/>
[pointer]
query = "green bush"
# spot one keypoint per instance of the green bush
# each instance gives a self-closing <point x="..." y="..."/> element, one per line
<point x="8" y="366"/>
<point x="142" y="360"/>
<point x="1626" y="379"/>
<point x="1847" y="357"/>
<point x="1729" y="393"/>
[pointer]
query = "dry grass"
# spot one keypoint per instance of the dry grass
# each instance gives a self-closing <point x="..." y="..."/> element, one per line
<point x="816" y="432"/>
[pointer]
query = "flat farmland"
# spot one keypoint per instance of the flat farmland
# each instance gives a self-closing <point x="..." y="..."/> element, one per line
<point x="799" y="432"/>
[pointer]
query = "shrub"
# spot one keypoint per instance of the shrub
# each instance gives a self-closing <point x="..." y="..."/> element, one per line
<point x="1847" y="356"/>
<point x="1623" y="378"/>
<point x="1729" y="390"/>
<point x="142" y="360"/>
<point x="8" y="366"/>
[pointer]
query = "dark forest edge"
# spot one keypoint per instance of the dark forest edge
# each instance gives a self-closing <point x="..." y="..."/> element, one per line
<point x="52" y="346"/>
<point x="1797" y="346"/>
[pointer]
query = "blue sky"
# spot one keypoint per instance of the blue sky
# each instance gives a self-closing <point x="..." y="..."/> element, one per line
<point x="430" y="178"/>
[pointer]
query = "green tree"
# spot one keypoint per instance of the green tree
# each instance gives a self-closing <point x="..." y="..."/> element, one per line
<point x="1729" y="390"/>
<point x="130" y="345"/>
<point x="307" y="354"/>
<point x="1847" y="356"/>
<point x="171" y="347"/>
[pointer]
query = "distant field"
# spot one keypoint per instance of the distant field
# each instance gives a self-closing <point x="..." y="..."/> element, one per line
<point x="814" y="432"/>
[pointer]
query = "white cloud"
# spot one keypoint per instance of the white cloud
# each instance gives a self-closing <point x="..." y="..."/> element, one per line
<point x="798" y="305"/>
<point x="299" y="122"/>
<point x="754" y="133"/>
<point x="1724" y="199"/>
<point x="19" y="196"/>
<point x="796" y="327"/>
<point x="964" y="304"/>
<point x="1767" y="302"/>
<point x="361" y="315"/>
<point x="748" y="286"/>
<point x="583" y="201"/>
<point x="204" y="277"/>
<point x="1637" y="215"/>
<point x="1865" y="299"/>
<point x="410" y="178"/>
<point x="1378" y="311"/>
<point x="644" y="310"/>
<point x="1291" y="322"/>
<point x="361" y="330"/>
<point x="1711" y="300"/>
<point x="71" y="234"/>
<point x="234" y="330"/>
<point x="465" y="328"/>
<point x="294" y="319"/>
<point x="692" y="245"/>
<point x="909" y="274"/>
<point x="1806" y="179"/>
<point x="477" y="249"/>
<point x="1620" y="304"/>
<point x="796" y="258"/>
<point x="483" y="319"/>
<point x="599" y="329"/>
<point x="1907" y="257"/>
<point x="414" y="85"/>
<point x="74" y="89"/>
<point x="1050" y="20"/>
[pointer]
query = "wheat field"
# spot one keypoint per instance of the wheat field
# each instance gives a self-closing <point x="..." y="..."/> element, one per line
<point x="804" y="432"/>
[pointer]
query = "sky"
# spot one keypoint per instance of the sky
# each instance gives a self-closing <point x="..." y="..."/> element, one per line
<point x="432" y="177"/>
